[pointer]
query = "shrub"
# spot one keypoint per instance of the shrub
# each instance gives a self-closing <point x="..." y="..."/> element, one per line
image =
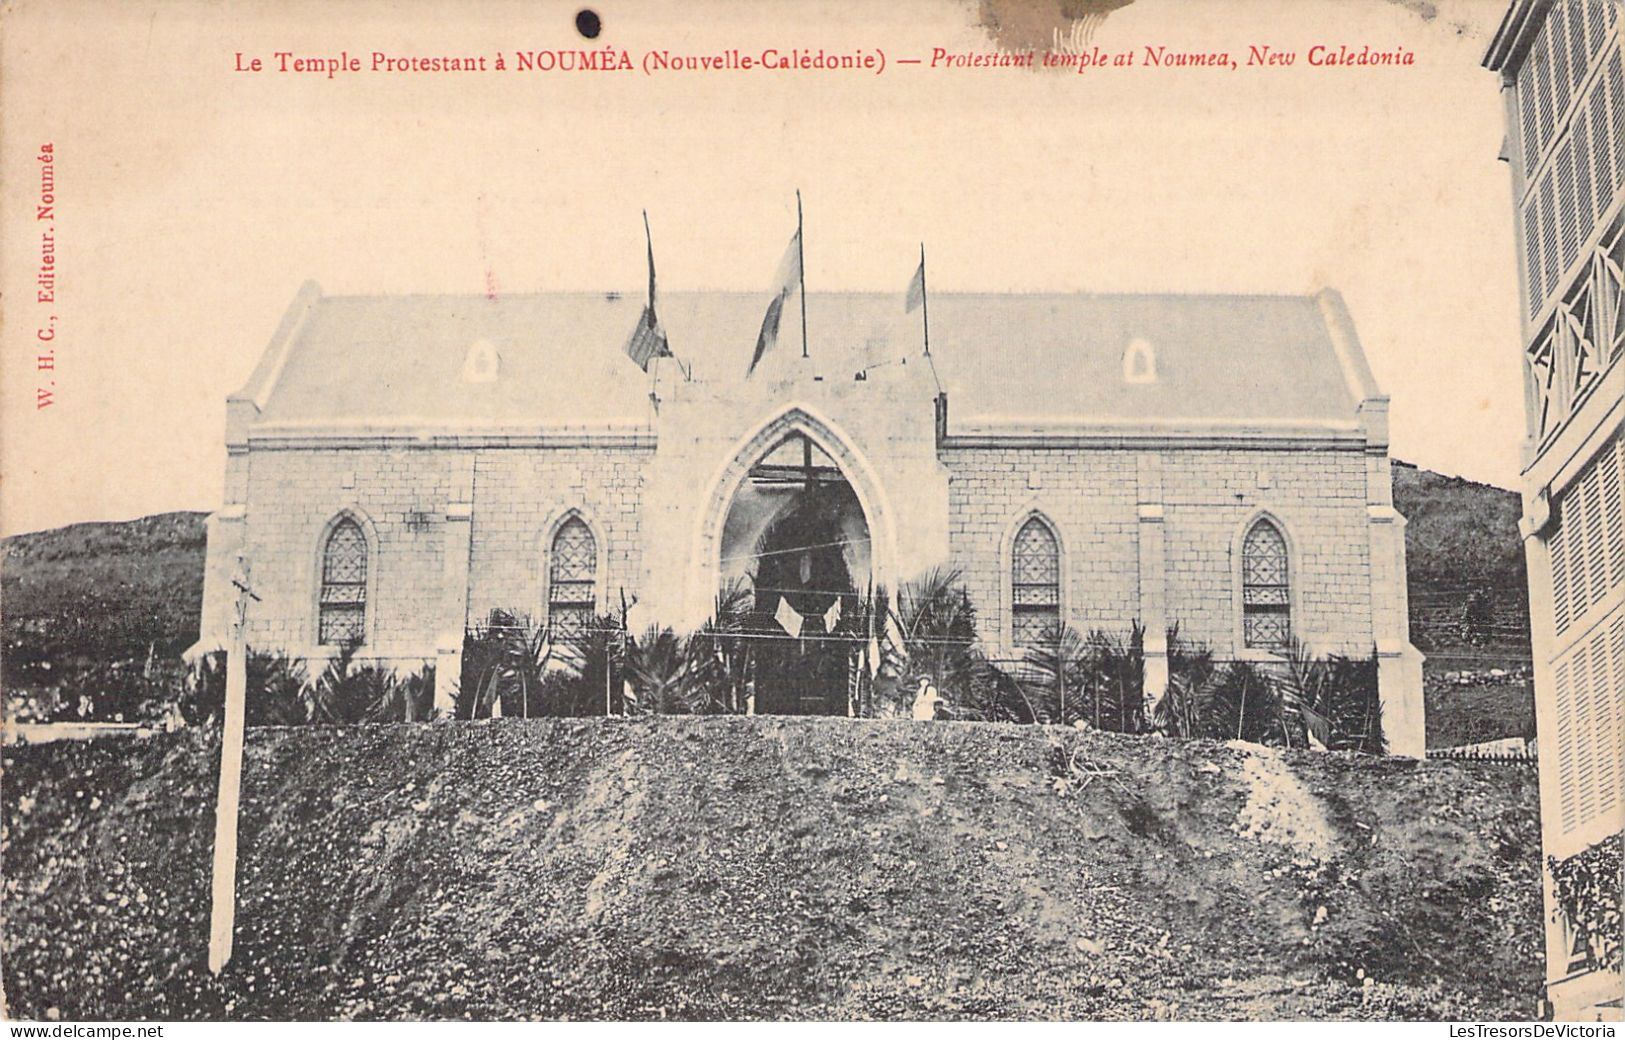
<point x="1333" y="699"/>
<point x="1244" y="703"/>
<point x="720" y="652"/>
<point x="278" y="691"/>
<point x="662" y="674"/>
<point x="506" y="662"/>
<point x="510" y="661"/>
<point x="929" y="631"/>
<point x="347" y="693"/>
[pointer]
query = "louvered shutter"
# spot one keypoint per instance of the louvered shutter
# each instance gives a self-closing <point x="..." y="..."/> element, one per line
<point x="1526" y="108"/>
<point x="1540" y="59"/>
<point x="1616" y="107"/>
<point x="1595" y="29"/>
<point x="1597" y="532"/>
<point x="1557" y="546"/>
<point x="1584" y="202"/>
<point x="1579" y="54"/>
<point x="1564" y="695"/>
<point x="1548" y="236"/>
<point x="1531" y="247"/>
<point x="1557" y="37"/>
<point x="1602" y="156"/>
<point x="1613" y="509"/>
<point x="1611" y="728"/>
<point x="1568" y="211"/>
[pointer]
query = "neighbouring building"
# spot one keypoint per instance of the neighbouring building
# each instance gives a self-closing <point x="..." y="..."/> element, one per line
<point x="400" y="466"/>
<point x="1561" y="72"/>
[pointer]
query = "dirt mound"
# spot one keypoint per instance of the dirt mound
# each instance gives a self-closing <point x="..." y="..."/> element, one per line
<point x="740" y="868"/>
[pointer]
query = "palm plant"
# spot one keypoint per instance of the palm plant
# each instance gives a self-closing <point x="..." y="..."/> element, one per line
<point x="660" y="670"/>
<point x="720" y="651"/>
<point x="277" y="692"/>
<point x="931" y="632"/>
<point x="1185" y="708"/>
<point x="590" y="687"/>
<point x="994" y="695"/>
<point x="1054" y="673"/>
<point x="1244" y="704"/>
<point x="346" y="693"/>
<point x="1096" y="679"/>
<point x="1355" y="706"/>
<point x="507" y="661"/>
<point x="1330" y="702"/>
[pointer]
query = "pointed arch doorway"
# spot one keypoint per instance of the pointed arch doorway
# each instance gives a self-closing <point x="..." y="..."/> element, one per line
<point x="796" y="547"/>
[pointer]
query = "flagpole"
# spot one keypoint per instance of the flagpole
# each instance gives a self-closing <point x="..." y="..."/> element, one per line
<point x="801" y="265"/>
<point x="925" y="302"/>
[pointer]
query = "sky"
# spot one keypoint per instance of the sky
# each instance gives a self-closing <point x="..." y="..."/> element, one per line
<point x="191" y="200"/>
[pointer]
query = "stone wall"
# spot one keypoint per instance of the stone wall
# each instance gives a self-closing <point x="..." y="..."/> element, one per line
<point x="398" y="496"/>
<point x="1097" y="500"/>
<point x="520" y="498"/>
<point x="1089" y="499"/>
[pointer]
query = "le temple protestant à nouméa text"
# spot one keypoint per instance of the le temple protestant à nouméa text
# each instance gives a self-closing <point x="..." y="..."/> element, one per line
<point x="818" y="59"/>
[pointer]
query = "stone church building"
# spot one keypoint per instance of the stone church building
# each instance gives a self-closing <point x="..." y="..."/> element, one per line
<point x="400" y="466"/>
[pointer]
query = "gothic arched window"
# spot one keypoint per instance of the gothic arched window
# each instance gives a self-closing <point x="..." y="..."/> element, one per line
<point x="1266" y="602"/>
<point x="1035" y="584"/>
<point x="343" y="605"/>
<point x="571" y="581"/>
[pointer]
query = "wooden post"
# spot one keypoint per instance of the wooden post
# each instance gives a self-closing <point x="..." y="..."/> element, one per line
<point x="223" y="913"/>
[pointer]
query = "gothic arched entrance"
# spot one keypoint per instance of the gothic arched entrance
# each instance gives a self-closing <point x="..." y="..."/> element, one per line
<point x="796" y="542"/>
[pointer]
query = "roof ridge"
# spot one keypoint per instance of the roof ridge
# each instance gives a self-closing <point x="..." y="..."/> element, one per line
<point x="615" y="295"/>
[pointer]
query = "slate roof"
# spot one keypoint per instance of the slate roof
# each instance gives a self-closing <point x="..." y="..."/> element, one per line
<point x="1002" y="357"/>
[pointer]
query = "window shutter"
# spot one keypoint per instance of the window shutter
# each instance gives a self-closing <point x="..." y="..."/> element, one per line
<point x="1531" y="248"/>
<point x="1616" y="106"/>
<point x="1568" y="218"/>
<point x="1557" y="34"/>
<point x="1526" y="109"/>
<point x="1610" y="523"/>
<point x="1538" y="57"/>
<point x="1583" y="195"/>
<point x="1602" y="172"/>
<point x="1564" y="695"/>
<point x="1557" y="545"/>
<point x="1579" y="56"/>
<point x="1611" y="729"/>
<point x="1574" y="518"/>
<point x="1548" y="236"/>
<point x="1595" y="548"/>
<point x="1587" y="677"/>
<point x="1595" y="29"/>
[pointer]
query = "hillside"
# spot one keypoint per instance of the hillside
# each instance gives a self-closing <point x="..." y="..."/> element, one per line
<point x="745" y="868"/>
<point x="100" y="593"/>
<point x="1461" y="539"/>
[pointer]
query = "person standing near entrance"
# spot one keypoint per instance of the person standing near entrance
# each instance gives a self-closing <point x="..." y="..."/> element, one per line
<point x="926" y="701"/>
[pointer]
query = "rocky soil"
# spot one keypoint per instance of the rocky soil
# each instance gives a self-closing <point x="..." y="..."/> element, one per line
<point x="742" y="868"/>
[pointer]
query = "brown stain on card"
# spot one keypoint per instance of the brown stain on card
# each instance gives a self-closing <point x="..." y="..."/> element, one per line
<point x="1026" y="25"/>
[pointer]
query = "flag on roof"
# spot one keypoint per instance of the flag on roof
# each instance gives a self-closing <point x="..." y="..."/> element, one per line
<point x="915" y="296"/>
<point x="784" y="283"/>
<point x="648" y="339"/>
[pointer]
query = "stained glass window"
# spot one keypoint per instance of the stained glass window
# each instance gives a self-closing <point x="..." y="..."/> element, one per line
<point x="1035" y="583"/>
<point x="573" y="566"/>
<point x="343" y="607"/>
<point x="1266" y="603"/>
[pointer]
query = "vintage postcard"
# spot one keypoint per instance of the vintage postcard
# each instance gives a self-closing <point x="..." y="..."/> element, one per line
<point x="945" y="510"/>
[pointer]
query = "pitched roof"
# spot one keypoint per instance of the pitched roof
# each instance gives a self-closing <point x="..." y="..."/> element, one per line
<point x="1001" y="357"/>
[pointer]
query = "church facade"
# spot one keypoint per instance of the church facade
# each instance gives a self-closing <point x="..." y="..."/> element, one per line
<point x="399" y="467"/>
